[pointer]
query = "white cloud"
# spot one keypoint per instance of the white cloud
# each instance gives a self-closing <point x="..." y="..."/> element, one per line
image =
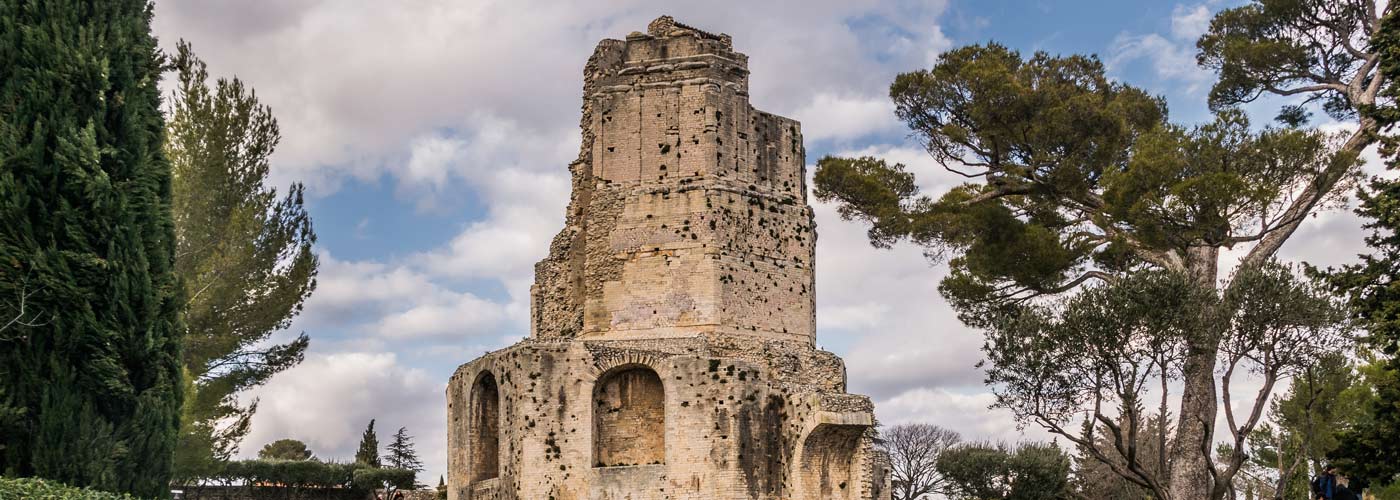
<point x="1190" y="22"/>
<point x="466" y="315"/>
<point x="431" y="158"/>
<point x="327" y="400"/>
<point x="1170" y="59"/>
<point x="346" y="287"/>
<point x="968" y="414"/>
<point x="364" y="88"/>
<point x="526" y="210"/>
<point x="831" y="116"/>
<point x="903" y="334"/>
<point x="398" y="302"/>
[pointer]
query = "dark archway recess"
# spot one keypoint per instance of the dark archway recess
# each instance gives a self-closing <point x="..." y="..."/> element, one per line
<point x="629" y="418"/>
<point x="827" y="457"/>
<point x="485" y="428"/>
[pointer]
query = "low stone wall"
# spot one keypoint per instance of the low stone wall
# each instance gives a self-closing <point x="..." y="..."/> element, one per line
<point x="270" y="493"/>
<point x="279" y="493"/>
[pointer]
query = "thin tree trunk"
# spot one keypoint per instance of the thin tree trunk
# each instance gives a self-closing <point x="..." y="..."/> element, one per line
<point x="1192" y="476"/>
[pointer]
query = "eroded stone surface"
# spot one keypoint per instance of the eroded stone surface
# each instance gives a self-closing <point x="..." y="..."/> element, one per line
<point x="672" y="351"/>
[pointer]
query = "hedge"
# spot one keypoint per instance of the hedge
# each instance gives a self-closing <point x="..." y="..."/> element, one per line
<point x="39" y="489"/>
<point x="371" y="479"/>
<point x="309" y="474"/>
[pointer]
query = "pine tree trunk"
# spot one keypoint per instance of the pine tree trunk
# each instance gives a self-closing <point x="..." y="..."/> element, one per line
<point x="1191" y="478"/>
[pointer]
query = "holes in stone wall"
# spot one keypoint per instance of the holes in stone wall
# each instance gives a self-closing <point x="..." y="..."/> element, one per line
<point x="485" y="428"/>
<point x="629" y="418"/>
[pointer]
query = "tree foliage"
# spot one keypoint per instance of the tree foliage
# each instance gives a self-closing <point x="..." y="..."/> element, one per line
<point x="987" y="471"/>
<point x="1303" y="426"/>
<point x="1074" y="179"/>
<point x="401" y="453"/>
<point x="90" y="383"/>
<point x="1106" y="346"/>
<point x="1317" y="48"/>
<point x="305" y="474"/>
<point x="1093" y="478"/>
<point x="1367" y="450"/>
<point x="914" y="450"/>
<point x="244" y="254"/>
<point x="285" y="449"/>
<point x="46" y="490"/>
<point x="368" y="452"/>
<point x="387" y="479"/>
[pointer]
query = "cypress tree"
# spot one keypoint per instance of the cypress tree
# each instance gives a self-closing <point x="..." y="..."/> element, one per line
<point x="89" y="340"/>
<point x="368" y="453"/>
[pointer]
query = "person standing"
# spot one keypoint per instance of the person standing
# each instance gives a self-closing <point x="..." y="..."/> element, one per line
<point x="1324" y="487"/>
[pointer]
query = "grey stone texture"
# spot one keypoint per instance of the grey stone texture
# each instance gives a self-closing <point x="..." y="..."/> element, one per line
<point x="672" y="347"/>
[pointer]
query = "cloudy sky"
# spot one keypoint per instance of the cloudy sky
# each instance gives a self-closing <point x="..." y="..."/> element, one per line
<point x="433" y="137"/>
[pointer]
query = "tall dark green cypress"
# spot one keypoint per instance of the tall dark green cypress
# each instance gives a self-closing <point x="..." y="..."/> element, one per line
<point x="368" y="453"/>
<point x="89" y="301"/>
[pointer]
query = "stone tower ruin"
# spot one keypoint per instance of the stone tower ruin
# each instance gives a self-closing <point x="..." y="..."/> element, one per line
<point x="672" y="345"/>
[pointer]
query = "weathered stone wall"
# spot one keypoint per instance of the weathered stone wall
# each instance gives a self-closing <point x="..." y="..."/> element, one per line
<point x="672" y="351"/>
<point x="689" y="210"/>
<point x="629" y="418"/>
<point x="729" y="428"/>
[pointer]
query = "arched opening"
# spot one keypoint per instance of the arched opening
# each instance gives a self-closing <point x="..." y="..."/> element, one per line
<point x="485" y="428"/>
<point x="827" y="454"/>
<point x="629" y="418"/>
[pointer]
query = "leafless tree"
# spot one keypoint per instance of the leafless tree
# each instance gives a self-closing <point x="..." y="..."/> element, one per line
<point x="914" y="450"/>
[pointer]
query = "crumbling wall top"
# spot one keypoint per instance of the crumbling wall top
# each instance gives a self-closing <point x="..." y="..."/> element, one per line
<point x="666" y="26"/>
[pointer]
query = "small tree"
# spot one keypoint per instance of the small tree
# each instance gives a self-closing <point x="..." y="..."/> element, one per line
<point x="368" y="452"/>
<point x="914" y="450"/>
<point x="986" y="471"/>
<point x="401" y="453"/>
<point x="285" y="449"/>
<point x="1096" y="479"/>
<point x="1303" y="426"/>
<point x="387" y="479"/>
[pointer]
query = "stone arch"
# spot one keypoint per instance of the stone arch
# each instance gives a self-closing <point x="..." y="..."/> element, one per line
<point x="629" y="417"/>
<point x="485" y="422"/>
<point x="825" y="469"/>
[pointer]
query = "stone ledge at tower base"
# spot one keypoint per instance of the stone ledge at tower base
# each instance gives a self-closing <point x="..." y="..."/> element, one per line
<point x="736" y="418"/>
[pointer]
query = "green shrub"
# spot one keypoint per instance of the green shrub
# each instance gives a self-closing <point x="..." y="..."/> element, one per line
<point x="371" y="479"/>
<point x="309" y="474"/>
<point x="291" y="473"/>
<point x="1387" y="492"/>
<point x="39" y="489"/>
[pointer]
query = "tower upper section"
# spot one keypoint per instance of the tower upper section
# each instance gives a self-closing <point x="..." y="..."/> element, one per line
<point x="688" y="214"/>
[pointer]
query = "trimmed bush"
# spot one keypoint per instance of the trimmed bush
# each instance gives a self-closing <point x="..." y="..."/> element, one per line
<point x="371" y="479"/>
<point x="39" y="489"/>
<point x="309" y="474"/>
<point x="289" y="473"/>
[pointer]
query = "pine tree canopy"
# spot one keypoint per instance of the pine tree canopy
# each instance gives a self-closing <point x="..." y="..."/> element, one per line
<point x="286" y="449"/>
<point x="244" y="255"/>
<point x="90" y="374"/>
<point x="401" y="453"/>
